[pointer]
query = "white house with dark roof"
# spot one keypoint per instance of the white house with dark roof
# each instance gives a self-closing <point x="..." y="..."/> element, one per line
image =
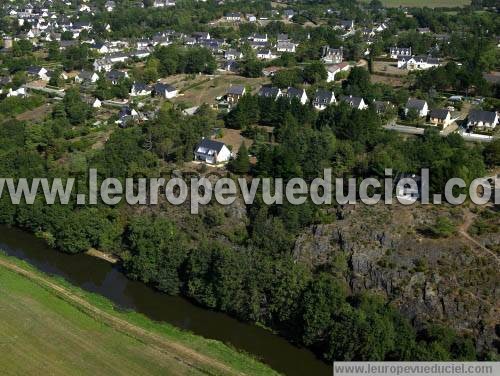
<point x="165" y="91"/>
<point x="332" y="55"/>
<point x="299" y="94"/>
<point x="266" y="54"/>
<point x="355" y="102"/>
<point x="140" y="89"/>
<point x="233" y="17"/>
<point x="86" y="76"/>
<point x="422" y="62"/>
<point x="395" y="52"/>
<point x="419" y="105"/>
<point x="286" y="46"/>
<point x="270" y="92"/>
<point x="440" y="116"/>
<point x="482" y="119"/>
<point x="212" y="152"/>
<point x="259" y="38"/>
<point x="235" y="93"/>
<point x="323" y="98"/>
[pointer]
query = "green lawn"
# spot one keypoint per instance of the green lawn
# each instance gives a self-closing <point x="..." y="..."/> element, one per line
<point x="44" y="333"/>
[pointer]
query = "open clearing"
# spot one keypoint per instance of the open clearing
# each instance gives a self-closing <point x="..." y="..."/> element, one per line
<point x="205" y="89"/>
<point x="426" y="3"/>
<point x="47" y="327"/>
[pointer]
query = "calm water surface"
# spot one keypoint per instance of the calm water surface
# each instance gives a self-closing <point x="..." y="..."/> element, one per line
<point x="98" y="276"/>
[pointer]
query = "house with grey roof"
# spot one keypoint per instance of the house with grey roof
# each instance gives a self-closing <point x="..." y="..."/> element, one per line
<point x="299" y="94"/>
<point x="140" y="89"/>
<point x="234" y="94"/>
<point x="332" y="55"/>
<point x="419" y="105"/>
<point x="482" y="119"/>
<point x="270" y="92"/>
<point x="86" y="77"/>
<point x="355" y="102"/>
<point x="440" y="117"/>
<point x="212" y="152"/>
<point x="323" y="98"/>
<point x="394" y="52"/>
<point x="164" y="90"/>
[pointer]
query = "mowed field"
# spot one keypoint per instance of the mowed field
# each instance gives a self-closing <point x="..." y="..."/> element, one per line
<point x="426" y="3"/>
<point x="44" y="332"/>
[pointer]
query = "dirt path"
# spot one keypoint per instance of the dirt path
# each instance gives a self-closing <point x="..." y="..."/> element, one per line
<point x="180" y="352"/>
<point x="463" y="231"/>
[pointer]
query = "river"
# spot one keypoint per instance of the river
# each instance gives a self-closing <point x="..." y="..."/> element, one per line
<point x="98" y="276"/>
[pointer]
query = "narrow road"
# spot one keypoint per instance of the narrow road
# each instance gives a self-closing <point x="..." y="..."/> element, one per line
<point x="173" y="349"/>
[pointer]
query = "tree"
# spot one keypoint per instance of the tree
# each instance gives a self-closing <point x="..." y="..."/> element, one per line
<point x="76" y="109"/>
<point x="315" y="72"/>
<point x="56" y="79"/>
<point x="492" y="153"/>
<point x="241" y="164"/>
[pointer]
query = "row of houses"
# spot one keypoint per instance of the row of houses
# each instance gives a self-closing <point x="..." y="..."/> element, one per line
<point x="322" y="98"/>
<point x="479" y="119"/>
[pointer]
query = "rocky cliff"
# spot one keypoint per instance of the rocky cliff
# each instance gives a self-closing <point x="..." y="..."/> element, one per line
<point x="430" y="271"/>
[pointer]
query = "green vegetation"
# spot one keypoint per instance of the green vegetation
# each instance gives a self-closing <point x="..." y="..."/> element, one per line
<point x="426" y="3"/>
<point x="61" y="337"/>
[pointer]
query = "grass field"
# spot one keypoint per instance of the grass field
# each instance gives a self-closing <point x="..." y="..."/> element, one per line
<point x="49" y="327"/>
<point x="426" y="3"/>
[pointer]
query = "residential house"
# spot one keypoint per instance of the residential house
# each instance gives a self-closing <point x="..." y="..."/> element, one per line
<point x="259" y="38"/>
<point x="382" y="107"/>
<point x="233" y="54"/>
<point x="283" y="38"/>
<point x="299" y="94"/>
<point x="419" y="105"/>
<point x="109" y="6"/>
<point x="285" y="46"/>
<point x="332" y="55"/>
<point x="233" y="17"/>
<point x="140" y="89"/>
<point x="418" y="62"/>
<point x="395" y="52"/>
<point x="229" y="66"/>
<point x="266" y="54"/>
<point x="270" y="92"/>
<point x="100" y="47"/>
<point x="323" y="98"/>
<point x="355" y="102"/>
<point x="288" y="14"/>
<point x="19" y="92"/>
<point x="164" y="90"/>
<point x="115" y="76"/>
<point x="440" y="117"/>
<point x="212" y="152"/>
<point x="102" y="65"/>
<point x="347" y="25"/>
<point x="482" y="119"/>
<point x="38" y="73"/>
<point x="126" y="115"/>
<point x="333" y="70"/>
<point x="86" y="77"/>
<point x="234" y="94"/>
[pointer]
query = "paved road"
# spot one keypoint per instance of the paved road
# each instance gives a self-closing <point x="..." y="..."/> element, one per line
<point x="59" y="93"/>
<point x="420" y="131"/>
<point x="404" y="129"/>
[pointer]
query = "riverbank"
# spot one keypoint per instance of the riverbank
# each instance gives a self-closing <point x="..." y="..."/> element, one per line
<point x="88" y="327"/>
<point x="103" y="256"/>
